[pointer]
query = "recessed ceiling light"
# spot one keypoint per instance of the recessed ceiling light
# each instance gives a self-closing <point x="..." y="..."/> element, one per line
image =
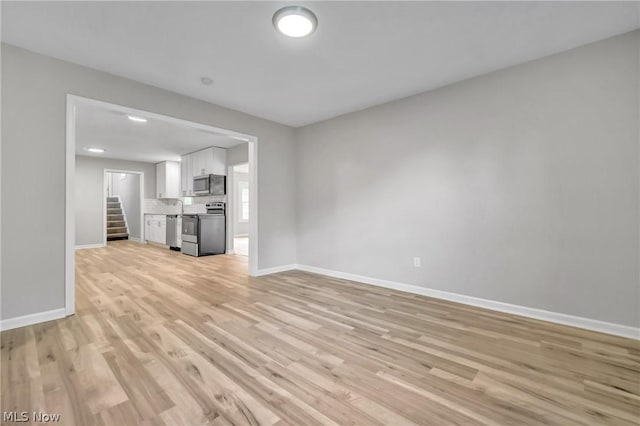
<point x="207" y="81"/>
<point x="137" y="119"/>
<point x="295" y="21"/>
<point x="95" y="150"/>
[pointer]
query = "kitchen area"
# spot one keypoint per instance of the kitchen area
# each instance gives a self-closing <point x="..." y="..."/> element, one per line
<point x="158" y="181"/>
<point x="189" y="213"/>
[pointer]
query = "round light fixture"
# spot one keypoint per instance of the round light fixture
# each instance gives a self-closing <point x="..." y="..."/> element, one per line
<point x="207" y="81"/>
<point x="295" y="21"/>
<point x="95" y="150"/>
<point x="137" y="119"/>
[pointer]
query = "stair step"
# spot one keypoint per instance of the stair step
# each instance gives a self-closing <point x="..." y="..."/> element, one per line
<point x="116" y="225"/>
<point x="117" y="237"/>
<point x="116" y="230"/>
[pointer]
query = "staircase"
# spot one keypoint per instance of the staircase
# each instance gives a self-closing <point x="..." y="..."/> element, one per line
<point x="116" y="225"/>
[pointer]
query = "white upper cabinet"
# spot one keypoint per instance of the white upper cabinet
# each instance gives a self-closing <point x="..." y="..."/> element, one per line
<point x="186" y="176"/>
<point x="168" y="180"/>
<point x="210" y="161"/>
<point x="218" y="161"/>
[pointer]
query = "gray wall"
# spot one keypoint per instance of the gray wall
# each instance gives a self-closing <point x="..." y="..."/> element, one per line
<point x="127" y="187"/>
<point x="34" y="89"/>
<point x="520" y="186"/>
<point x="238" y="154"/>
<point x="90" y="191"/>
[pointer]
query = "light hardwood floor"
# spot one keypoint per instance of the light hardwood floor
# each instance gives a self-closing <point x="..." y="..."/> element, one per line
<point x="163" y="338"/>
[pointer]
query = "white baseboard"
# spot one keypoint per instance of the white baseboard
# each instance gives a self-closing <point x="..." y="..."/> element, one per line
<point x="89" y="246"/>
<point x="555" y="317"/>
<point x="275" y="270"/>
<point x="23" y="321"/>
<point x="137" y="240"/>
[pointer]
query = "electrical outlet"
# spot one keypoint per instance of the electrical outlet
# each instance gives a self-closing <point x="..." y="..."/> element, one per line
<point x="417" y="262"/>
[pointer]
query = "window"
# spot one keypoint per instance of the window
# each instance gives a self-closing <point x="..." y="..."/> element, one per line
<point x="243" y="190"/>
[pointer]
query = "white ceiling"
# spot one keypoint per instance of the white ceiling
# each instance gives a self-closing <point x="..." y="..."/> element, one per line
<point x="363" y="53"/>
<point x="103" y="126"/>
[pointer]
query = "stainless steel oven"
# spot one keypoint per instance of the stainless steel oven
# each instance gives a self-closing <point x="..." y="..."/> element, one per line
<point x="210" y="185"/>
<point x="205" y="233"/>
<point x="190" y="223"/>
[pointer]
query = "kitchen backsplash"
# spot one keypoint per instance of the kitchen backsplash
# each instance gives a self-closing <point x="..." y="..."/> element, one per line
<point x="174" y="206"/>
<point x="155" y="206"/>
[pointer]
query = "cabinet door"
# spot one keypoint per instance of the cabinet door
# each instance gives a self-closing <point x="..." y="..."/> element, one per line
<point x="162" y="230"/>
<point x="155" y="224"/>
<point x="187" y="170"/>
<point x="179" y="231"/>
<point x="172" y="178"/>
<point x="150" y="231"/>
<point x="218" y="165"/>
<point x="161" y="180"/>
<point x="184" y="172"/>
<point x="200" y="165"/>
<point x="195" y="164"/>
<point x="206" y="161"/>
<point x="147" y="227"/>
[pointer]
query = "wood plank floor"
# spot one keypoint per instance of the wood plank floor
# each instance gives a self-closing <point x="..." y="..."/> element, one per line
<point x="163" y="338"/>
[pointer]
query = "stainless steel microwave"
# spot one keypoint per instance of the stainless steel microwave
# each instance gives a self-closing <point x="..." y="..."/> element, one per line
<point x="210" y="185"/>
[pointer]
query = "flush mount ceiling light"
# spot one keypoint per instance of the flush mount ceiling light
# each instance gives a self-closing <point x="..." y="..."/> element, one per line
<point x="207" y="81"/>
<point x="95" y="150"/>
<point x="137" y="119"/>
<point x="295" y="21"/>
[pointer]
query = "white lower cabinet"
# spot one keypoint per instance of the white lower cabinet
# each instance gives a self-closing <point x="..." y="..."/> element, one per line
<point x="179" y="231"/>
<point x="155" y="228"/>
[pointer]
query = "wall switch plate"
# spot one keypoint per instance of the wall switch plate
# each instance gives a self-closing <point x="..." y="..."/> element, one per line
<point x="417" y="262"/>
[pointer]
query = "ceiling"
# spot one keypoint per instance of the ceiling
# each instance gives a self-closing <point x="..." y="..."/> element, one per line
<point x="109" y="128"/>
<point x="362" y="54"/>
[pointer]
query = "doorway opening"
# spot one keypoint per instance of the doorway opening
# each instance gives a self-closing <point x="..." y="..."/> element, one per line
<point x="123" y="213"/>
<point x="105" y="154"/>
<point x="240" y="211"/>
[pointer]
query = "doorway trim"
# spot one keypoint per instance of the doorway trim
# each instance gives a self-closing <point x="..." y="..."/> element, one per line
<point x="231" y="182"/>
<point x="232" y="206"/>
<point x="70" y="181"/>
<point x="104" y="200"/>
